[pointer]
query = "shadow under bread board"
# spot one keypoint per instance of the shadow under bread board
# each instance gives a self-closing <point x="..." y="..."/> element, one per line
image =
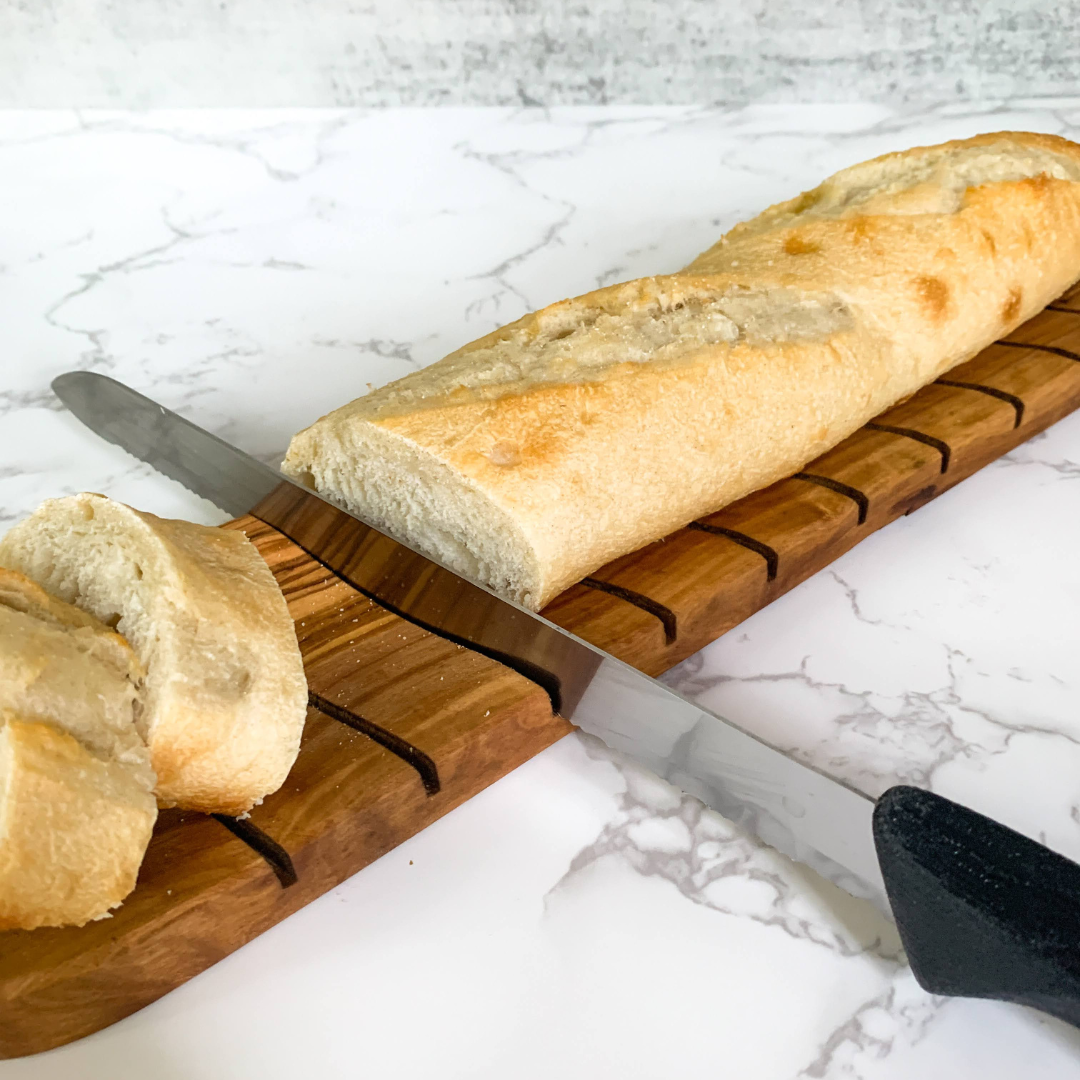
<point x="405" y="725"/>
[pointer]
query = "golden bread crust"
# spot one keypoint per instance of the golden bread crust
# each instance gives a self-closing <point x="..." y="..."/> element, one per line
<point x="73" y="828"/>
<point x="586" y="430"/>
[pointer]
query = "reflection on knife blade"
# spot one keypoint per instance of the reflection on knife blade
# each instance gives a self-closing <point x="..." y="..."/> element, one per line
<point x="791" y="806"/>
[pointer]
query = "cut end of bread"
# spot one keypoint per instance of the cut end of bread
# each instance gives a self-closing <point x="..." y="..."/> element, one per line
<point x="61" y="666"/>
<point x="388" y="481"/>
<point x="104" y="581"/>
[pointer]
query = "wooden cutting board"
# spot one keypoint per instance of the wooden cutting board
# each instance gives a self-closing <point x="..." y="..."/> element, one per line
<point x="405" y="726"/>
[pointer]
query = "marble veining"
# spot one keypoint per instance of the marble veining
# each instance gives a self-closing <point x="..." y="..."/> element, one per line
<point x="662" y="832"/>
<point x="254" y="269"/>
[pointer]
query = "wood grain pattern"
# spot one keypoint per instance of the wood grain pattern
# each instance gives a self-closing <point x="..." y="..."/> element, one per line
<point x="203" y="892"/>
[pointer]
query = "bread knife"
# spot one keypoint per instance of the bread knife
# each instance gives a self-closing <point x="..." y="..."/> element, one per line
<point x="982" y="911"/>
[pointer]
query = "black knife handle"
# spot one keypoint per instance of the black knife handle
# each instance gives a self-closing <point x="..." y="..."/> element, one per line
<point x="982" y="911"/>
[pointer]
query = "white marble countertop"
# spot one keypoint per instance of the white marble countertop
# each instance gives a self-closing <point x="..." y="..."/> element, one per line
<point x="579" y="919"/>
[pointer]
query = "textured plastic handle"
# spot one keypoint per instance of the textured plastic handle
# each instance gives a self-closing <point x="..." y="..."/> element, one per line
<point x="982" y="911"/>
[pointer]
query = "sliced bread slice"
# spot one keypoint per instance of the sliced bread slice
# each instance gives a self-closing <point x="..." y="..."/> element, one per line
<point x="224" y="696"/>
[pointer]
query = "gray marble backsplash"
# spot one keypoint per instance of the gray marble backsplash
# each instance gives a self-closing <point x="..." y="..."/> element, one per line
<point x="166" y="53"/>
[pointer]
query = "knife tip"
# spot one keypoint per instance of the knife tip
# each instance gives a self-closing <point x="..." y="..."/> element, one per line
<point x="69" y="383"/>
<point x="66" y="380"/>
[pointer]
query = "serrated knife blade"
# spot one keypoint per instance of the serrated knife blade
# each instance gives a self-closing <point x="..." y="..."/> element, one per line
<point x="791" y="806"/>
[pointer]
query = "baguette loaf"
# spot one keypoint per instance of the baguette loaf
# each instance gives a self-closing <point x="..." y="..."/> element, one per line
<point x="76" y="787"/>
<point x="224" y="697"/>
<point x="582" y="432"/>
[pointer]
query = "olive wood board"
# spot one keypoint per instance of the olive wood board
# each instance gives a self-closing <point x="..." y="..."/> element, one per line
<point x="406" y="725"/>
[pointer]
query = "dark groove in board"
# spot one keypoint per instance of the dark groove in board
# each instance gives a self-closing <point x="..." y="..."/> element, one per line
<point x="275" y="855"/>
<point x="411" y="755"/>
<point x="858" y="497"/>
<point x="653" y="607"/>
<point x="992" y="391"/>
<point x="939" y="445"/>
<point x="772" y="559"/>
<point x="1055" y="349"/>
<point x="1067" y="310"/>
